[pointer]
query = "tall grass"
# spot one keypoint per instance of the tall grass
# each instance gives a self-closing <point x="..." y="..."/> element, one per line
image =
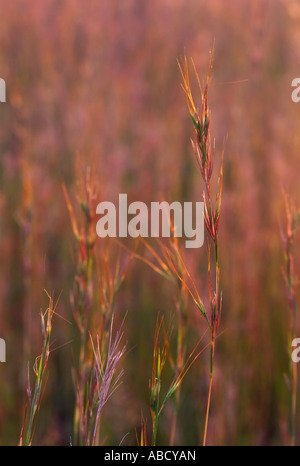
<point x="117" y="101"/>
<point x="82" y="295"/>
<point x="34" y="395"/>
<point x="93" y="310"/>
<point x="204" y="150"/>
<point x="161" y="353"/>
<point x="167" y="261"/>
<point x="102" y="382"/>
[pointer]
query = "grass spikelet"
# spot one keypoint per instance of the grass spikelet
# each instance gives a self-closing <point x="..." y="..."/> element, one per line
<point x="34" y="395"/>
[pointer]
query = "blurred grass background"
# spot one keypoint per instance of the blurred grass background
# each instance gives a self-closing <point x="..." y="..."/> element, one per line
<point x="97" y="83"/>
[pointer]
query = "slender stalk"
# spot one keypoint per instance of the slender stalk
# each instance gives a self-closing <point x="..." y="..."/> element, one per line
<point x="82" y="296"/>
<point x="204" y="153"/>
<point x="34" y="400"/>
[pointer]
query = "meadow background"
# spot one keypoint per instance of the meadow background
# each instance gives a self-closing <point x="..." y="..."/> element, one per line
<point x="97" y="84"/>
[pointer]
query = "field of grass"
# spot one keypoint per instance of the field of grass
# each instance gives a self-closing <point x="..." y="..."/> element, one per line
<point x="143" y="341"/>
